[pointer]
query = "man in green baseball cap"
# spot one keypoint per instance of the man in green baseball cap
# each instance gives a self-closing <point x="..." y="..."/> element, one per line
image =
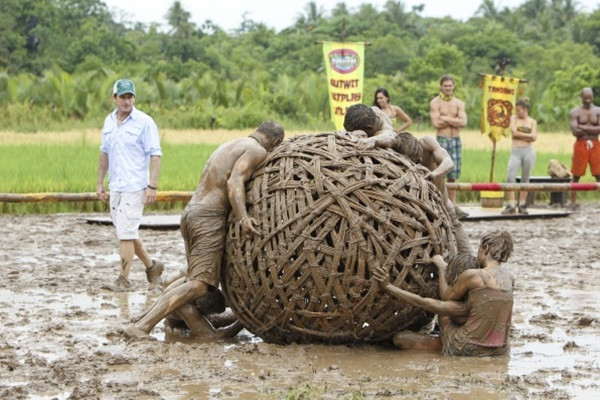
<point x="123" y="86"/>
<point x="130" y="152"/>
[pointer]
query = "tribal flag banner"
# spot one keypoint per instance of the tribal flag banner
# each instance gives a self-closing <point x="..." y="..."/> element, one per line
<point x="345" y="67"/>
<point x="499" y="96"/>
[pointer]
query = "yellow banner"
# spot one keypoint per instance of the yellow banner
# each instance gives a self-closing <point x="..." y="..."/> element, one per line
<point x="345" y="67"/>
<point x="499" y="96"/>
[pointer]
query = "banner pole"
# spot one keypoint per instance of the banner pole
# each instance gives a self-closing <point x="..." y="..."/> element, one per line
<point x="493" y="160"/>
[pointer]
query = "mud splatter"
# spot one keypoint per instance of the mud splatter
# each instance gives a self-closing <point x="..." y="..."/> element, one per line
<point x="59" y="336"/>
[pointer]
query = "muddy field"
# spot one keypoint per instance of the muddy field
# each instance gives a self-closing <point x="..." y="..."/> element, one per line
<point x="59" y="331"/>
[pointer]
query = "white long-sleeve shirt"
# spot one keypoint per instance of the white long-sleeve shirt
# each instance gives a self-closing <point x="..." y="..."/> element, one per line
<point x="129" y="148"/>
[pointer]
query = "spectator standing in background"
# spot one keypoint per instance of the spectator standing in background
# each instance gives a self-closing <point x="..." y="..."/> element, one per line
<point x="448" y="116"/>
<point x="395" y="113"/>
<point x="585" y="126"/>
<point x="523" y="131"/>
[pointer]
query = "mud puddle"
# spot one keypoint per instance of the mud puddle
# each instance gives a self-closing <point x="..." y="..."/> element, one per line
<point x="59" y="332"/>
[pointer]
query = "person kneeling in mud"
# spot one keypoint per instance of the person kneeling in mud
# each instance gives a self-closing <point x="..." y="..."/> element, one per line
<point x="486" y="312"/>
<point x="205" y="317"/>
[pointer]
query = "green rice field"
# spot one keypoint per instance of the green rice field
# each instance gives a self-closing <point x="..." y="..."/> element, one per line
<point x="68" y="162"/>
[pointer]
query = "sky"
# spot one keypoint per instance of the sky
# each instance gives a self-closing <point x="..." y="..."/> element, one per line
<point x="278" y="14"/>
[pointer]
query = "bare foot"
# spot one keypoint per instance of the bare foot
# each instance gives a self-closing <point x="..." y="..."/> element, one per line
<point x="134" y="333"/>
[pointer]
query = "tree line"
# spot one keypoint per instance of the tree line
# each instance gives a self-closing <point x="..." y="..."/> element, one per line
<point x="59" y="59"/>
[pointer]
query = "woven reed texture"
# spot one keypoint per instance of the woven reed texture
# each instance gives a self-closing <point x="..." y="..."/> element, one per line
<point x="329" y="214"/>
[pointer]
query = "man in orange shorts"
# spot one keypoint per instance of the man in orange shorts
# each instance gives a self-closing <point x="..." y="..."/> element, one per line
<point x="585" y="126"/>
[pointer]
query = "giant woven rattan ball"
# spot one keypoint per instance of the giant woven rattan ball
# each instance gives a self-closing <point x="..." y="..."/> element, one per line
<point x="328" y="215"/>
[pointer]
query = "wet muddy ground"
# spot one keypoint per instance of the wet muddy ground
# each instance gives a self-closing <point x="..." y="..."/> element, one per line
<point x="59" y="331"/>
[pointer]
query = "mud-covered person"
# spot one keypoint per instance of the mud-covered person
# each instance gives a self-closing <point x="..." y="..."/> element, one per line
<point x="448" y="116"/>
<point x="425" y="151"/>
<point x="130" y="144"/>
<point x="221" y="189"/>
<point x="362" y="120"/>
<point x="585" y="126"/>
<point x="371" y="127"/>
<point x="479" y="326"/>
<point x="456" y="310"/>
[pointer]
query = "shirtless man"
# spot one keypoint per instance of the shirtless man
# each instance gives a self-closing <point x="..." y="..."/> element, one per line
<point x="372" y="121"/>
<point x="448" y="116"/>
<point x="425" y="151"/>
<point x="484" y="317"/>
<point x="585" y="126"/>
<point x="222" y="188"/>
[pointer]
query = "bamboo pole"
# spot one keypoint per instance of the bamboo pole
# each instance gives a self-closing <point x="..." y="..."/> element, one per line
<point x="164" y="196"/>
<point x="493" y="160"/>
<point x="528" y="187"/>
<point x="167" y="196"/>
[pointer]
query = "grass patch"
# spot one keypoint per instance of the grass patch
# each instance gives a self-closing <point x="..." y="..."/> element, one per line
<point x="68" y="162"/>
<point x="73" y="168"/>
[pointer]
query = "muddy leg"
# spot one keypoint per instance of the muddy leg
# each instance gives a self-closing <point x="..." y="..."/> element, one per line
<point x="462" y="242"/>
<point x="417" y="341"/>
<point x="141" y="252"/>
<point x="126" y="251"/>
<point x="167" y="286"/>
<point x="166" y="303"/>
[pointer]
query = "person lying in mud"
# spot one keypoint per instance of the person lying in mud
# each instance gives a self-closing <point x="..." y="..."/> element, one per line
<point x="204" y="317"/>
<point x="487" y="311"/>
<point x="221" y="190"/>
<point x="425" y="151"/>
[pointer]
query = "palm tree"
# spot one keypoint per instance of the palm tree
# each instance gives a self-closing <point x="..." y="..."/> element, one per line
<point x="487" y="9"/>
<point x="340" y="10"/>
<point x="179" y="20"/>
<point x="396" y="12"/>
<point x="534" y="8"/>
<point x="312" y="18"/>
<point x="563" y="11"/>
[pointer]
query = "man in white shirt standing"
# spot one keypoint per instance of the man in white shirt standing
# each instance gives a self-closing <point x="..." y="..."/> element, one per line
<point x="130" y="144"/>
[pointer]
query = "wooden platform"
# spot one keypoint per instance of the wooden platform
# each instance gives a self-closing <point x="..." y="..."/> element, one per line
<point x="148" y="221"/>
<point x="477" y="213"/>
